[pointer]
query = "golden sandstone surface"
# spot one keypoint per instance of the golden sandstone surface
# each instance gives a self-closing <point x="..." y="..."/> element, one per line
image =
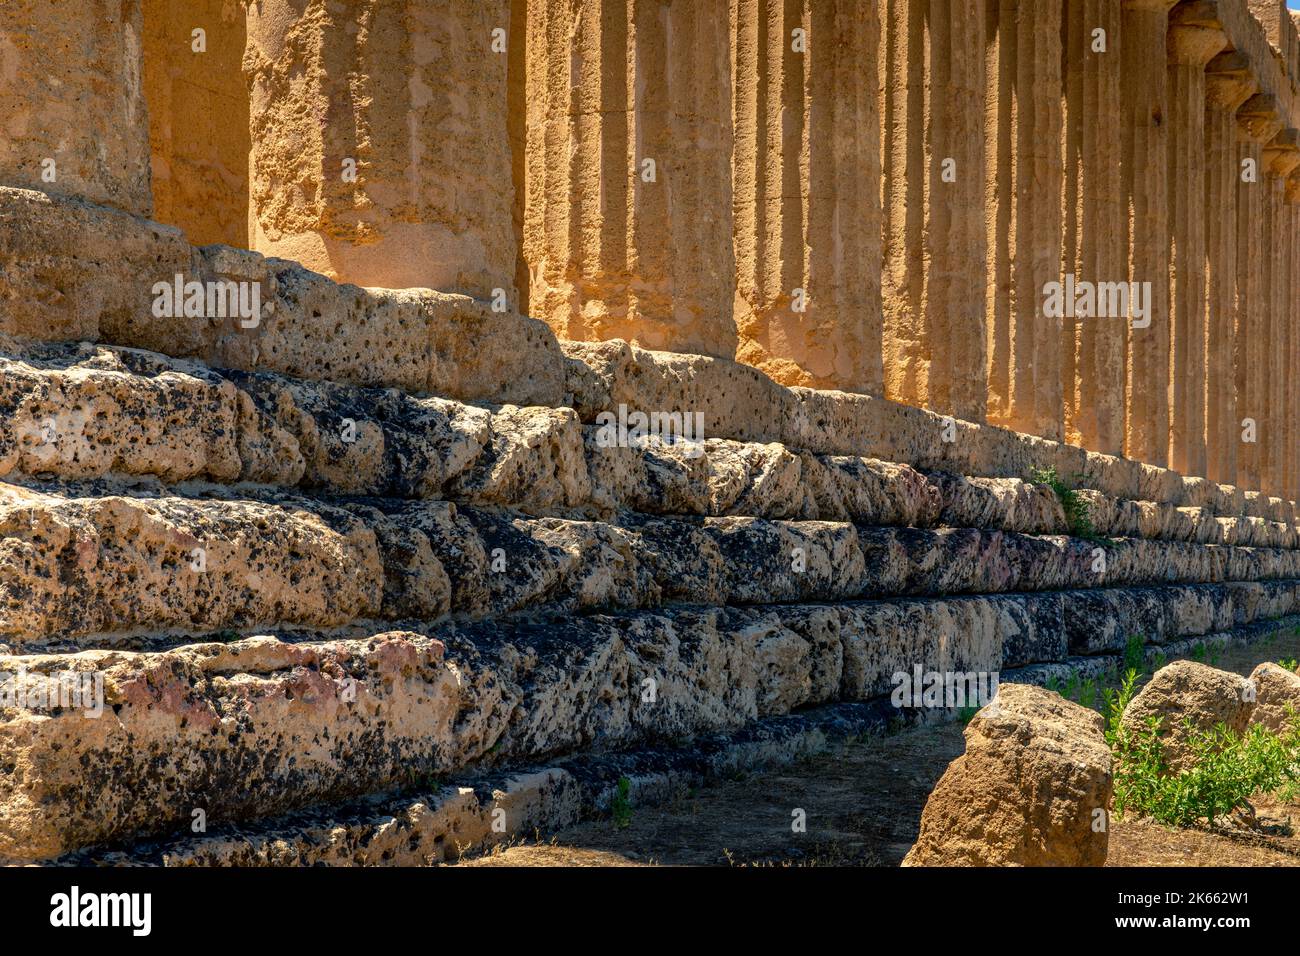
<point x="324" y="325"/>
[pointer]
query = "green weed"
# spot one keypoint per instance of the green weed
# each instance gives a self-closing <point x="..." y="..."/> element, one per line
<point x="621" y="806"/>
<point x="1078" y="518"/>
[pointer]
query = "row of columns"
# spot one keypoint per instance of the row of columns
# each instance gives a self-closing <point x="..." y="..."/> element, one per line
<point x="872" y="195"/>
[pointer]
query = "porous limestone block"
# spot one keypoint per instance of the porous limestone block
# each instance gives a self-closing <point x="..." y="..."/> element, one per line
<point x="379" y="136"/>
<point x="71" y="93"/>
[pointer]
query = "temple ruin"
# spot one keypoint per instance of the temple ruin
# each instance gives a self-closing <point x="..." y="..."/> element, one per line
<point x="371" y="535"/>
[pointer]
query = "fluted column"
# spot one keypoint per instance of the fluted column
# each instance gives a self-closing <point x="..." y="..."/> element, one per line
<point x="72" y="114"/>
<point x="1293" y="362"/>
<point x="1257" y="122"/>
<point x="806" y="175"/>
<point x="1292" y="438"/>
<point x="380" y="147"/>
<point x="1281" y="156"/>
<point x="1290" y="428"/>
<point x="932" y="68"/>
<point x="1144" y="142"/>
<point x="1194" y="39"/>
<point x="628" y="227"/>
<point x="1024" y="214"/>
<point x="1092" y="351"/>
<point x="198" y="119"/>
<point x="1228" y="84"/>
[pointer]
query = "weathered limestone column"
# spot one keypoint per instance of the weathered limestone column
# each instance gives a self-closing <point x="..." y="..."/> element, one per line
<point x="932" y="69"/>
<point x="1144" y="141"/>
<point x="72" y="114"/>
<point x="1092" y="352"/>
<point x="628" y="224"/>
<point x="1258" y="121"/>
<point x="198" y="118"/>
<point x="1293" y="357"/>
<point x="1024" y="214"/>
<point x="380" y="146"/>
<point x="1292" y="440"/>
<point x="1228" y="83"/>
<point x="1290" y="431"/>
<point x="1194" y="39"/>
<point x="806" y="174"/>
<point x="1281" y="156"/>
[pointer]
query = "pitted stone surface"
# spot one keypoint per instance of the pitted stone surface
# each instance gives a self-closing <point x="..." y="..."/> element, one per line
<point x="76" y="566"/>
<point x="1184" y="698"/>
<point x="1277" y="698"/>
<point x="232" y="729"/>
<point x="1025" y="793"/>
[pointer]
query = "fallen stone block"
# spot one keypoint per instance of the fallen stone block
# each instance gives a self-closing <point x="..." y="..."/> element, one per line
<point x="1277" y="698"/>
<point x="1186" y="698"/>
<point x="1028" y="791"/>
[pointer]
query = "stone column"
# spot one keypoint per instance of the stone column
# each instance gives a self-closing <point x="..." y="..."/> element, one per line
<point x="932" y="114"/>
<point x="380" y="146"/>
<point x="1092" y="353"/>
<point x="1144" y="142"/>
<point x="628" y="228"/>
<point x="1194" y="39"/>
<point x="198" y="118"/>
<point x="1281" y="156"/>
<point x="1292" y="440"/>
<point x="1258" y="121"/>
<point x="806" y="175"/>
<point x="1293" y="361"/>
<point x="1228" y="84"/>
<point x="72" y="114"/>
<point x="1290" y="430"/>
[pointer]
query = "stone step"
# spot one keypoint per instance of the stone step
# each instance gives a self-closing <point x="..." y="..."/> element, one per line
<point x="88" y="567"/>
<point x="78" y="271"/>
<point x="428" y="342"/>
<point x="427" y="825"/>
<point x="84" y="412"/>
<point x="742" y="403"/>
<point x="122" y="564"/>
<point x="101" y="746"/>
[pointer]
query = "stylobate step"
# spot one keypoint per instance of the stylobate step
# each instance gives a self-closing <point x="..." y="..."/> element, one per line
<point x="111" y="745"/>
<point x="441" y="821"/>
<point x="79" y="411"/>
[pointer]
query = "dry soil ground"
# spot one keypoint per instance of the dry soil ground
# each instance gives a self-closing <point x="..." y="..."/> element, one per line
<point x="863" y="801"/>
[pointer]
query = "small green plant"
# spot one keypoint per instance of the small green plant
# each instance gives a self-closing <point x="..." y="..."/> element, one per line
<point x="1114" y="702"/>
<point x="1225" y="768"/>
<point x="1071" y="691"/>
<point x="1088" y="694"/>
<point x="967" y="714"/>
<point x="1199" y="652"/>
<point x="621" y="805"/>
<point x="1078" y="518"/>
<point x="1290" y="663"/>
<point x="1134" y="654"/>
<point x="1053" y="684"/>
